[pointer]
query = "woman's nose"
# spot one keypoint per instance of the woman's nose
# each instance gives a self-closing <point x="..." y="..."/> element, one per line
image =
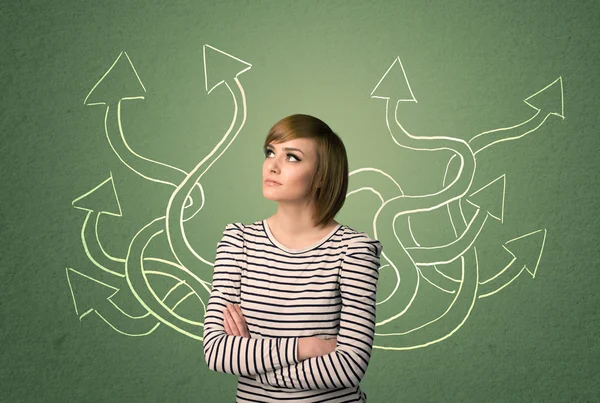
<point x="273" y="165"/>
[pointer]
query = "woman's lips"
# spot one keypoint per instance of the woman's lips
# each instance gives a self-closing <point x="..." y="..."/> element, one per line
<point x="271" y="183"/>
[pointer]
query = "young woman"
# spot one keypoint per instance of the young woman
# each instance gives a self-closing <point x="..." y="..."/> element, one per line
<point x="292" y="306"/>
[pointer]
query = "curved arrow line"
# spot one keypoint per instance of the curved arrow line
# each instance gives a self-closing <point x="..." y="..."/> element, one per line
<point x="429" y="255"/>
<point x="480" y="147"/>
<point x="469" y="235"/>
<point x="154" y="323"/>
<point x="360" y="173"/>
<point x="192" y="291"/>
<point x="147" y="317"/>
<point x="188" y="257"/>
<point x="434" y="320"/>
<point x="466" y="294"/>
<point x="503" y="285"/>
<point x="140" y="287"/>
<point x="190" y="278"/>
<point x="447" y="276"/>
<point x="410" y="231"/>
<point x="91" y="238"/>
<point x="205" y="284"/>
<point x="500" y="287"/>
<point x="87" y="231"/>
<point x="156" y="297"/>
<point x="463" y="292"/>
<point x="404" y="205"/>
<point x="168" y="173"/>
<point x="503" y="278"/>
<point x="104" y="252"/>
<point x="370" y="189"/>
<point x="150" y="331"/>
<point x="560" y="115"/>
<point x="395" y="287"/>
<point x="435" y="284"/>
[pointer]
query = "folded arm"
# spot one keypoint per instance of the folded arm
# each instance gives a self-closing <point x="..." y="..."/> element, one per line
<point x="347" y="364"/>
<point x="236" y="354"/>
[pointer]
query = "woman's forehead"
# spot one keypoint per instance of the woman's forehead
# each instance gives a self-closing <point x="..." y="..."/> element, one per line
<point x="303" y="144"/>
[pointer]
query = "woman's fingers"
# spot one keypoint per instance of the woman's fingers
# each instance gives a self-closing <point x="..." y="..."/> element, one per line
<point x="244" y="325"/>
<point x="231" y="322"/>
<point x="238" y="318"/>
<point x="234" y="321"/>
<point x="226" y="325"/>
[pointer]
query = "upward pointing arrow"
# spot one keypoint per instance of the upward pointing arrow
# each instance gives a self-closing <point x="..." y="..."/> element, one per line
<point x="103" y="198"/>
<point x="120" y="81"/>
<point x="394" y="84"/>
<point x="220" y="66"/>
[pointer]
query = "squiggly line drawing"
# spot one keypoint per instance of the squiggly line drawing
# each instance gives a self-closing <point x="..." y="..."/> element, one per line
<point x="411" y="263"/>
<point x="406" y="261"/>
<point x="190" y="269"/>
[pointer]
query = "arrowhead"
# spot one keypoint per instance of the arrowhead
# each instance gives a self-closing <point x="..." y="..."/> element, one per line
<point x="394" y="84"/>
<point x="490" y="198"/>
<point x="103" y="198"/>
<point x="222" y="67"/>
<point x="88" y="293"/>
<point x="527" y="249"/>
<point x="549" y="99"/>
<point x="119" y="82"/>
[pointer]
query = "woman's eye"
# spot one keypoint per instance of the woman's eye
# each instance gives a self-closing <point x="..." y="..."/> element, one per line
<point x="296" y="159"/>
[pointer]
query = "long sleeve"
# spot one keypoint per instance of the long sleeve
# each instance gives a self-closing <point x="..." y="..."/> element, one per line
<point x="235" y="354"/>
<point x="346" y="366"/>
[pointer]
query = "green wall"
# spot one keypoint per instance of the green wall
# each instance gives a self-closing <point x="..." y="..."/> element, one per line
<point x="106" y="109"/>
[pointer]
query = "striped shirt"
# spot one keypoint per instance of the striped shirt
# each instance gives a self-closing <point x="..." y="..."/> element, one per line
<point x="324" y="290"/>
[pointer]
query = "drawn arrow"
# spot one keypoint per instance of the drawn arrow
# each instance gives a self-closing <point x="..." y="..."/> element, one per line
<point x="449" y="322"/>
<point x="93" y="296"/>
<point x="407" y="281"/>
<point x="526" y="252"/>
<point x="111" y="92"/>
<point x="363" y="179"/>
<point x="546" y="102"/>
<point x="95" y="203"/>
<point x="140" y="286"/>
<point x="183" y="251"/>
<point x="489" y="198"/>
<point x="459" y="310"/>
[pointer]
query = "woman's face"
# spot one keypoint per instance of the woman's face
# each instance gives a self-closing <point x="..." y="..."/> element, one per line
<point x="291" y="164"/>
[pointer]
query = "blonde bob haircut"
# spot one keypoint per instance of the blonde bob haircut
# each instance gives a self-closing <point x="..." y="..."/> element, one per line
<point x="329" y="183"/>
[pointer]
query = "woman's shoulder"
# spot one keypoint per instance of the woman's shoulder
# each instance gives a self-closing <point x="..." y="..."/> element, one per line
<point x="356" y="240"/>
<point x="241" y="230"/>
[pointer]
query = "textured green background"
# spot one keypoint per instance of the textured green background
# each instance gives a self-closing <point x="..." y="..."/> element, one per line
<point x="470" y="64"/>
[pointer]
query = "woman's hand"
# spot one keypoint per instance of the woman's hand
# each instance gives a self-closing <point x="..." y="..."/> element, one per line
<point x="309" y="347"/>
<point x="234" y="321"/>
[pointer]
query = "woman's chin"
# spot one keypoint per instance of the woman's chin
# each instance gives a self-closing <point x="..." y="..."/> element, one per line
<point x="268" y="196"/>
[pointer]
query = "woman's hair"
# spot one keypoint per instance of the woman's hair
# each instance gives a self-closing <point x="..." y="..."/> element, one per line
<point x="330" y="182"/>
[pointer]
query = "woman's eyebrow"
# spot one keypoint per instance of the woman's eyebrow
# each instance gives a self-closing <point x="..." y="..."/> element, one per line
<point x="287" y="148"/>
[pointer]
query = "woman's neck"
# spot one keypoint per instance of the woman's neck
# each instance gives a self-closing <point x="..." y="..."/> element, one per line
<point x="297" y="223"/>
